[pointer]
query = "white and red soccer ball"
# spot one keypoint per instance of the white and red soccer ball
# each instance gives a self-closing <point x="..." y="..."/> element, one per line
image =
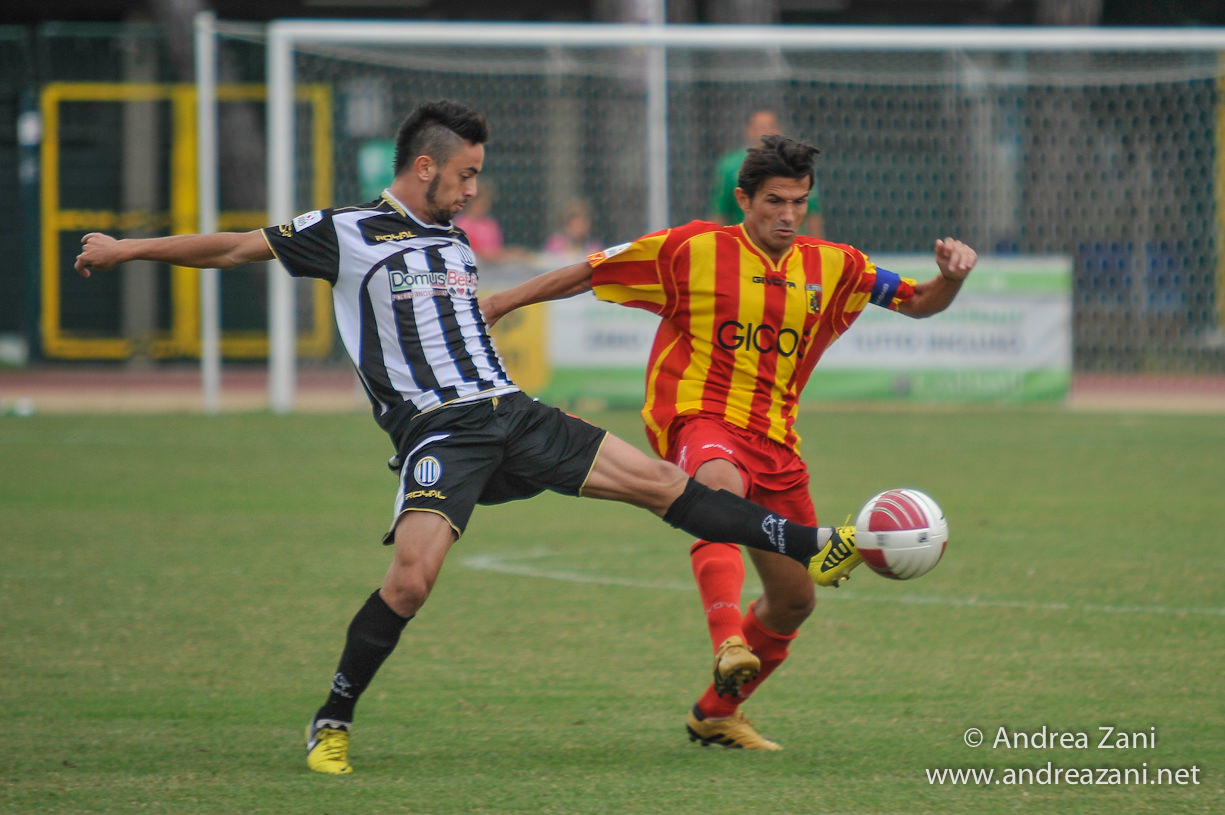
<point x="901" y="533"/>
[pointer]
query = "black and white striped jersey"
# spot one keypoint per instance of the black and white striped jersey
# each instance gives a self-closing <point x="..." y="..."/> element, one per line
<point x="406" y="304"/>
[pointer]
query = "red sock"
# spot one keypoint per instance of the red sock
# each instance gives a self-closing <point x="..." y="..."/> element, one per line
<point x="770" y="648"/>
<point x="719" y="571"/>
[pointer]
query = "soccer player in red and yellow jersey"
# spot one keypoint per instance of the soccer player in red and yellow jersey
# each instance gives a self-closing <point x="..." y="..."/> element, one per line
<point x="746" y="311"/>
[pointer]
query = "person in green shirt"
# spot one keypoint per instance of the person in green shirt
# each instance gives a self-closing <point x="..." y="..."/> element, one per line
<point x="724" y="209"/>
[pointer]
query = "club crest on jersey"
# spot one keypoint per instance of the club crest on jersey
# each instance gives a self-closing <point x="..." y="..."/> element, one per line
<point x="427" y="471"/>
<point x="466" y="254"/>
<point x="814" y="298"/>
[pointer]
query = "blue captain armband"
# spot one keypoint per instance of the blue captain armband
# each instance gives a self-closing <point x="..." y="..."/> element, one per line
<point x="885" y="288"/>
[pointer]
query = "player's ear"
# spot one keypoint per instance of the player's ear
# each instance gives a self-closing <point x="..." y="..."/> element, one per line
<point x="424" y="167"/>
<point x="742" y="198"/>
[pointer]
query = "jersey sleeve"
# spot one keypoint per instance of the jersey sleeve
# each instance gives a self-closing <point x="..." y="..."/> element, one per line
<point x="307" y="246"/>
<point x="644" y="273"/>
<point x="629" y="274"/>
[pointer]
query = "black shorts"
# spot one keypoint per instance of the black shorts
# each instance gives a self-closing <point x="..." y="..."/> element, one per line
<point x="488" y="452"/>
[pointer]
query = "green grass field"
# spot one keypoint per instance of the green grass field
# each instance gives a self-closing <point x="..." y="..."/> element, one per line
<point x="175" y="591"/>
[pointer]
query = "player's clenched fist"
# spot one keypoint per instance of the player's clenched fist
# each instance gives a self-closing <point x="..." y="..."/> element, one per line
<point x="99" y="252"/>
<point x="954" y="258"/>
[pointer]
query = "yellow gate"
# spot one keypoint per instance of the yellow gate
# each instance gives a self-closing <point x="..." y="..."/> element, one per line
<point x="183" y="337"/>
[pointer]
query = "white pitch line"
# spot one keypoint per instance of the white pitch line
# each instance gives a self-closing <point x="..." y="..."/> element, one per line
<point x="509" y="565"/>
<point x="514" y="565"/>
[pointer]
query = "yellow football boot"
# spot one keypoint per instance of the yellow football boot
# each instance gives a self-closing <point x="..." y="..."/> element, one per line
<point x="735" y="732"/>
<point x="735" y="664"/>
<point x="327" y="747"/>
<point x="832" y="565"/>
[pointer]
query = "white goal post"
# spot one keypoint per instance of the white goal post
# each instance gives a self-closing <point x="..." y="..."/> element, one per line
<point x="650" y="45"/>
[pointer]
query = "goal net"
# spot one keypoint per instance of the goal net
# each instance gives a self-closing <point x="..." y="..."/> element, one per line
<point x="1092" y="150"/>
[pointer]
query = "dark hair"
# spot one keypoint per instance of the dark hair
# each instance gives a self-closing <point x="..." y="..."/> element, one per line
<point x="436" y="129"/>
<point x="778" y="157"/>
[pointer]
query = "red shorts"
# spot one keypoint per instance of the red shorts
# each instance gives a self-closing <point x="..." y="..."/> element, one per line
<point x="774" y="476"/>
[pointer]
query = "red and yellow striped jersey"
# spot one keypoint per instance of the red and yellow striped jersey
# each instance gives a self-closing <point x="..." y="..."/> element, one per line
<point x="739" y="334"/>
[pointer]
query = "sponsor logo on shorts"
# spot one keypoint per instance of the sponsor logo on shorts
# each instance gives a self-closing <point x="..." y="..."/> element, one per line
<point x="425" y="494"/>
<point x="427" y="471"/>
<point x="723" y="448"/>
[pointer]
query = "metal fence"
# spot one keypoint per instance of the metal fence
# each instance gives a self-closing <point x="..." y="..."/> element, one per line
<point x="1109" y="156"/>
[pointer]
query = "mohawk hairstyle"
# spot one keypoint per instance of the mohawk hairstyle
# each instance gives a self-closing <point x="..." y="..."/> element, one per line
<point x="437" y="129"/>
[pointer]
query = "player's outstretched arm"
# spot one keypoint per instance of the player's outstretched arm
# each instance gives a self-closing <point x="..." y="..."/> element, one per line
<point x="555" y="285"/>
<point x="955" y="259"/>
<point x="221" y="250"/>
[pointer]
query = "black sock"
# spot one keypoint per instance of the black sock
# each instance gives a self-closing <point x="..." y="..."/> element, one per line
<point x="372" y="637"/>
<point x="719" y="515"/>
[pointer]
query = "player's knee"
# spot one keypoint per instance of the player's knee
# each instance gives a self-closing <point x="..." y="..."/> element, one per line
<point x="801" y="608"/>
<point x="422" y="540"/>
<point x="406" y="587"/>
<point x="790" y="609"/>
<point x="405" y="592"/>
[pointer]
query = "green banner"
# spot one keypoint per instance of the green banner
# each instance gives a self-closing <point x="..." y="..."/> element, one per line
<point x="1007" y="338"/>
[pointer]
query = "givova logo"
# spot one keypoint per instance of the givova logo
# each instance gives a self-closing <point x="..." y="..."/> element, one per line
<point x="427" y="471"/>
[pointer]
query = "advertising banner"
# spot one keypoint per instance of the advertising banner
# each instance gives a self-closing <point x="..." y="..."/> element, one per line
<point x="1007" y="337"/>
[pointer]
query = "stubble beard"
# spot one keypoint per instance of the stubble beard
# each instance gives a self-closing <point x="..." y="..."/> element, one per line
<point x="436" y="213"/>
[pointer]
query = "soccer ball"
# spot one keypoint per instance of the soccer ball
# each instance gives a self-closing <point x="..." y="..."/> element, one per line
<point x="901" y="533"/>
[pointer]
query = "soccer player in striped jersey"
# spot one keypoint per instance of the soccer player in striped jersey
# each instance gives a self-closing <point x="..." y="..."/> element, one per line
<point x="404" y="286"/>
<point x="746" y="312"/>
